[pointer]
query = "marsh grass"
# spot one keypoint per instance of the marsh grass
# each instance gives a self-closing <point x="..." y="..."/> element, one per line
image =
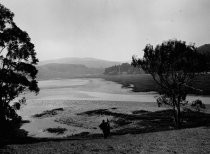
<point x="48" y="113"/>
<point x="57" y="130"/>
<point x="145" y="83"/>
<point x="145" y="121"/>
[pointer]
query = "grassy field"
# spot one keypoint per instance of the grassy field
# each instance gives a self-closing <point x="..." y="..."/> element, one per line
<point x="145" y="83"/>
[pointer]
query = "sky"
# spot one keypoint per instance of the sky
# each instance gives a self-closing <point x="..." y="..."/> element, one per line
<point x="109" y="29"/>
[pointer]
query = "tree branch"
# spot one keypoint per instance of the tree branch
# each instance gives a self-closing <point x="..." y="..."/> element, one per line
<point x="2" y="49"/>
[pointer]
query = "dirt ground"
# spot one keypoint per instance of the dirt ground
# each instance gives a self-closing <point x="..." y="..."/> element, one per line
<point x="193" y="140"/>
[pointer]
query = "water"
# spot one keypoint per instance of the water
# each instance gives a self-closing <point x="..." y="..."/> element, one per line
<point x="79" y="95"/>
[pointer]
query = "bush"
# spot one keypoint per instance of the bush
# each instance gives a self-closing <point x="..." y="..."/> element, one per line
<point x="198" y="105"/>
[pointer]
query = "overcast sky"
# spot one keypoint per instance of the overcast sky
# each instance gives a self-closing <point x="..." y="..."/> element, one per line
<point x="109" y="29"/>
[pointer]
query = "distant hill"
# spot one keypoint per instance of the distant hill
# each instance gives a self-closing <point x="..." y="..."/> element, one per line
<point x="88" y="62"/>
<point x="63" y="71"/>
<point x="205" y="49"/>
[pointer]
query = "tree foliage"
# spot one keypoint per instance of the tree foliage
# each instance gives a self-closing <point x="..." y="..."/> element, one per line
<point x="17" y="65"/>
<point x="173" y="65"/>
<point x="121" y="69"/>
<point x="198" y="105"/>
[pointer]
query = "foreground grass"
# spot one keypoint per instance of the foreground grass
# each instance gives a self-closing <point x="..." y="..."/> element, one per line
<point x="193" y="140"/>
<point x="145" y="82"/>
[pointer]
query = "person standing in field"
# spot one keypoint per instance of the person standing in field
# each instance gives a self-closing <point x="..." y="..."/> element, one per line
<point x="105" y="127"/>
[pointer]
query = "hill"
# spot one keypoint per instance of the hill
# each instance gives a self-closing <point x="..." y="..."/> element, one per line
<point x="205" y="49"/>
<point x="88" y="62"/>
<point x="63" y="71"/>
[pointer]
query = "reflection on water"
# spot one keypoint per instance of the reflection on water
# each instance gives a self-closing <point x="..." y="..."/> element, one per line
<point x="79" y="95"/>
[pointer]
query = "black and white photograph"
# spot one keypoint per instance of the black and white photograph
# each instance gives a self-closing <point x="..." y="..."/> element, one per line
<point x="104" y="76"/>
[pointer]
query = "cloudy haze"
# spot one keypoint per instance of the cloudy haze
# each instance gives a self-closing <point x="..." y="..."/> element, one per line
<point x="109" y="29"/>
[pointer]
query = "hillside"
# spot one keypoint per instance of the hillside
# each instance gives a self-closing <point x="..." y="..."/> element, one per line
<point x="88" y="62"/>
<point x="62" y="71"/>
<point x="205" y="50"/>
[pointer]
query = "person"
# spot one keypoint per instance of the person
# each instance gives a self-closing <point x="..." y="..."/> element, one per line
<point x="105" y="127"/>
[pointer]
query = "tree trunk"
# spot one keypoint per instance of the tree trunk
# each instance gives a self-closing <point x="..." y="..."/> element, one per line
<point x="175" y="111"/>
<point x="175" y="115"/>
<point x="178" y="114"/>
<point x="2" y="113"/>
<point x="178" y="118"/>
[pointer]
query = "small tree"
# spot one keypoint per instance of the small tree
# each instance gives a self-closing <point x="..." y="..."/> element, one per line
<point x="198" y="105"/>
<point x="173" y="65"/>
<point x="17" y="66"/>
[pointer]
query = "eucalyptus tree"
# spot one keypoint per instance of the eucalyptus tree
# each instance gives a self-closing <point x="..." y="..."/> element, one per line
<point x="173" y="65"/>
<point x="17" y="66"/>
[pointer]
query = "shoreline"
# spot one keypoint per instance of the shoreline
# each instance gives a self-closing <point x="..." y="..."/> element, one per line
<point x="143" y="82"/>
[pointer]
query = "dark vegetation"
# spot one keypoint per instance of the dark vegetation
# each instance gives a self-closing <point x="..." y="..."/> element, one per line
<point x="57" y="130"/>
<point x="144" y="121"/>
<point x="173" y="65"/>
<point x="17" y="70"/>
<point x="48" y="113"/>
<point x="124" y="68"/>
<point x="139" y="111"/>
<point x="145" y="83"/>
<point x="140" y="82"/>
<point x="202" y="82"/>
